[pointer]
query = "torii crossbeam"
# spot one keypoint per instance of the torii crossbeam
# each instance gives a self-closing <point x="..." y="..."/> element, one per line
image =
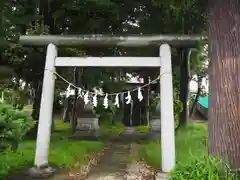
<point x="111" y="40"/>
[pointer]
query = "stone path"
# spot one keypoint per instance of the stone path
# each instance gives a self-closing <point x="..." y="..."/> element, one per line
<point x="119" y="161"/>
<point x="112" y="165"/>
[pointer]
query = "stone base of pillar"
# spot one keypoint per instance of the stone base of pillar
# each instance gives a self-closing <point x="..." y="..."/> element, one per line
<point x="41" y="172"/>
<point x="161" y="176"/>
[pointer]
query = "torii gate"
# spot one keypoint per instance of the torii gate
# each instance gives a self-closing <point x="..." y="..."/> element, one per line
<point x="163" y="62"/>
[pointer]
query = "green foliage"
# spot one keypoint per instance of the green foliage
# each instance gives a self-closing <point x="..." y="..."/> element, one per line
<point x="201" y="169"/>
<point x="198" y="60"/>
<point x="16" y="97"/>
<point x="99" y="17"/>
<point x="177" y="108"/>
<point x="151" y="154"/>
<point x="63" y="152"/>
<point x="110" y="131"/>
<point x="153" y="101"/>
<point x="14" y="125"/>
<point x="177" y="105"/>
<point x="143" y="129"/>
<point x="107" y="116"/>
<point x="38" y="29"/>
<point x="6" y="75"/>
<point x="193" y="162"/>
<point x="191" y="143"/>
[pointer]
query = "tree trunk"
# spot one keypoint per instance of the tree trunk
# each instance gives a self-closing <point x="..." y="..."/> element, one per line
<point x="46" y="10"/>
<point x="67" y="110"/>
<point x="36" y="108"/>
<point x="184" y="83"/>
<point x="224" y="99"/>
<point x="37" y="100"/>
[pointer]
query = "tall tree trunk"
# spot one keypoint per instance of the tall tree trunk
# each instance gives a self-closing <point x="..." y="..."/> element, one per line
<point x="46" y="9"/>
<point x="36" y="108"/>
<point x="184" y="83"/>
<point x="224" y="99"/>
<point x="67" y="110"/>
<point x="30" y="10"/>
<point x="37" y="100"/>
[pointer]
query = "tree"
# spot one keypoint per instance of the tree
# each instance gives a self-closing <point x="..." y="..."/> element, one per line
<point x="224" y="69"/>
<point x="199" y="65"/>
<point x="102" y="16"/>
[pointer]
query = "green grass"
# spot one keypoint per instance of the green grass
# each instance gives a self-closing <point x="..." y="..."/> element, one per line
<point x="143" y="129"/>
<point x="64" y="153"/>
<point x="108" y="131"/>
<point x="191" y="143"/>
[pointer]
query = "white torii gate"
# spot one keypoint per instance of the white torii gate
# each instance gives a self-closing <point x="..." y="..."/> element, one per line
<point x="166" y="91"/>
<point x="163" y="62"/>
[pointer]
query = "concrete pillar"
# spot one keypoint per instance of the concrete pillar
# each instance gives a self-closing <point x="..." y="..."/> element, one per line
<point x="167" y="114"/>
<point x="46" y="109"/>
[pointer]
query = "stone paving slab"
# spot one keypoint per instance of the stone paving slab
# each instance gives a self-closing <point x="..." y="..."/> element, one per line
<point x="120" y="161"/>
<point x="112" y="164"/>
<point x="137" y="170"/>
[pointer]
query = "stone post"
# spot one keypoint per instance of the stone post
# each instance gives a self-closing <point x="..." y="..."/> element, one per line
<point x="167" y="116"/>
<point x="45" y="116"/>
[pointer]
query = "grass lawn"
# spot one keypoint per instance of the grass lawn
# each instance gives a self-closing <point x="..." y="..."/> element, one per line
<point x="191" y="143"/>
<point x="111" y="131"/>
<point x="143" y="129"/>
<point x="64" y="153"/>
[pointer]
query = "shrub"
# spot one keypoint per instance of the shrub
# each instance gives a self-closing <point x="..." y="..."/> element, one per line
<point x="14" y="124"/>
<point x="203" y="169"/>
<point x="63" y="152"/>
<point x="177" y="107"/>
